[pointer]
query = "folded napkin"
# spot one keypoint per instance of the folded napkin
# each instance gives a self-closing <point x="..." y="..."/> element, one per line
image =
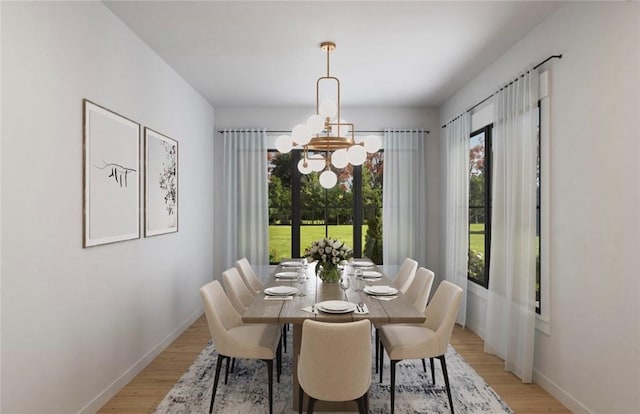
<point x="278" y="297"/>
<point x="385" y="297"/>
<point x="308" y="309"/>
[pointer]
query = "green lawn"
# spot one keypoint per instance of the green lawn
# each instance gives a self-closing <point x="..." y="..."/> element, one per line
<point x="476" y="237"/>
<point x="280" y="238"/>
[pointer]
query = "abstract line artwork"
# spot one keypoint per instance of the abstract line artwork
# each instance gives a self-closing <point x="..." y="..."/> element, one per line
<point x="111" y="176"/>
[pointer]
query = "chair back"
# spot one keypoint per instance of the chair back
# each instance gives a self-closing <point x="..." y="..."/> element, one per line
<point x="441" y="312"/>
<point x="221" y="315"/>
<point x="238" y="293"/>
<point x="405" y="275"/>
<point x="249" y="275"/>
<point x="418" y="292"/>
<point x="335" y="360"/>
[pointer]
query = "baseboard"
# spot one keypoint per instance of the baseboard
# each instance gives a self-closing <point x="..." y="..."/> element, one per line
<point x="559" y="394"/>
<point x="129" y="374"/>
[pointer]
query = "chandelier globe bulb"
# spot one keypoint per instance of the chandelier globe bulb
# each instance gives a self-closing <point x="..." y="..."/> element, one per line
<point x="301" y="134"/>
<point x="328" y="179"/>
<point x="357" y="154"/>
<point x="284" y="144"/>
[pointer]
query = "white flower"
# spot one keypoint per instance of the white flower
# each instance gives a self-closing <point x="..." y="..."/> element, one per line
<point x="321" y="243"/>
<point x="335" y="260"/>
<point x="327" y="249"/>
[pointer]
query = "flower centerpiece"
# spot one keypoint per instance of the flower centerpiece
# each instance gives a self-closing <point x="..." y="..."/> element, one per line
<point x="329" y="253"/>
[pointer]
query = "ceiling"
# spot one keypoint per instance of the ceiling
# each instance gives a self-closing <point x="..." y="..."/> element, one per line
<point x="264" y="53"/>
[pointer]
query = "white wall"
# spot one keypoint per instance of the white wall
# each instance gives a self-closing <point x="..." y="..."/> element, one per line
<point x="591" y="359"/>
<point x="78" y="323"/>
<point x="372" y="119"/>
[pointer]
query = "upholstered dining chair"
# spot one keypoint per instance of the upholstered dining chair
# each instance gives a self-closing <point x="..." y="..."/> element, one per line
<point x="238" y="292"/>
<point x="335" y="363"/>
<point x="405" y="275"/>
<point x="428" y="340"/>
<point x="418" y="293"/>
<point x="241" y="296"/>
<point x="249" y="275"/>
<point x="233" y="339"/>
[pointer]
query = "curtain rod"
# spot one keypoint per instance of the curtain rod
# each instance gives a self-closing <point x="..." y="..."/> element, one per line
<point x="491" y="96"/>
<point x="220" y="131"/>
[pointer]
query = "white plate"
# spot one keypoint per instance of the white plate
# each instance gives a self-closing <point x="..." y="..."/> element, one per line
<point x="287" y="275"/>
<point x="281" y="290"/>
<point x="362" y="263"/>
<point x="368" y="274"/>
<point x="380" y="290"/>
<point x="291" y="264"/>
<point x="336" y="306"/>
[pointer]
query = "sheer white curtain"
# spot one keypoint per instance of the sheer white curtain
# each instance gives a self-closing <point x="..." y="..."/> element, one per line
<point x="510" y="324"/>
<point x="456" y="203"/>
<point x="404" y="231"/>
<point x="245" y="197"/>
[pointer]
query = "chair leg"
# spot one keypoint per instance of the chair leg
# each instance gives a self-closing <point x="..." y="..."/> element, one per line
<point x="381" y="362"/>
<point x="226" y="372"/>
<point x="310" y="405"/>
<point x="377" y="343"/>
<point x="233" y="364"/>
<point x="443" y="363"/>
<point x="279" y="361"/>
<point x="284" y="337"/>
<point x="362" y="404"/>
<point x="366" y="402"/>
<point x="270" y="375"/>
<point x="215" y="381"/>
<point x="393" y="385"/>
<point x="433" y="371"/>
<point x="424" y="365"/>
<point x="300" y="398"/>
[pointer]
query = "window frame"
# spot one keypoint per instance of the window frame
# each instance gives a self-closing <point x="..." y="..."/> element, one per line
<point x="488" y="172"/>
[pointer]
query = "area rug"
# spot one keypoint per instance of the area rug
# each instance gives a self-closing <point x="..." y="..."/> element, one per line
<point x="246" y="391"/>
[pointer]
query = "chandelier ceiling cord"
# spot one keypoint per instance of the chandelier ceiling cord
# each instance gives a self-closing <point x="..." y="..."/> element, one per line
<point x="330" y="138"/>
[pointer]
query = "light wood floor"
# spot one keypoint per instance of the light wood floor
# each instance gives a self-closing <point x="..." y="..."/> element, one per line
<point x="146" y="390"/>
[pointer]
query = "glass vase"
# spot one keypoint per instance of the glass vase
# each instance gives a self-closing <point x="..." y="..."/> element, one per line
<point x="328" y="272"/>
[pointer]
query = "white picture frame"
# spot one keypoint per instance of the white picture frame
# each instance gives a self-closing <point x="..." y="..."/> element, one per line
<point x="111" y="176"/>
<point x="161" y="183"/>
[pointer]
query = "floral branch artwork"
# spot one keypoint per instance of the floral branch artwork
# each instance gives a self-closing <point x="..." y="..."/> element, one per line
<point x="119" y="173"/>
<point x="168" y="177"/>
<point x="161" y="183"/>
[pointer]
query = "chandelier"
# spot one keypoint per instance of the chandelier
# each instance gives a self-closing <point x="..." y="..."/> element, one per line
<point x="327" y="141"/>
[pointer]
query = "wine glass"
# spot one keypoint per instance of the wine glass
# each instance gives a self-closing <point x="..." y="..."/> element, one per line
<point x="302" y="278"/>
<point x="357" y="274"/>
<point x="345" y="283"/>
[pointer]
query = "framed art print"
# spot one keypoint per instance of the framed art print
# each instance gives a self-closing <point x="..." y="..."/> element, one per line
<point x="161" y="184"/>
<point x="111" y="176"/>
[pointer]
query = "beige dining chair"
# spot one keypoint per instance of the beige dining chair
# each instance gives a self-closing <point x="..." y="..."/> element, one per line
<point x="249" y="275"/>
<point x="241" y="297"/>
<point x="428" y="340"/>
<point x="239" y="294"/>
<point x="335" y="363"/>
<point x="418" y="293"/>
<point x="405" y="275"/>
<point x="233" y="339"/>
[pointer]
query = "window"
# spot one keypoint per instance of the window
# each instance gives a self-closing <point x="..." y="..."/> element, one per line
<point x="300" y="210"/>
<point x="480" y="205"/>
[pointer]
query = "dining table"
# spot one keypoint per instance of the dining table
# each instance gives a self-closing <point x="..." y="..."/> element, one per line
<point x="294" y="293"/>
